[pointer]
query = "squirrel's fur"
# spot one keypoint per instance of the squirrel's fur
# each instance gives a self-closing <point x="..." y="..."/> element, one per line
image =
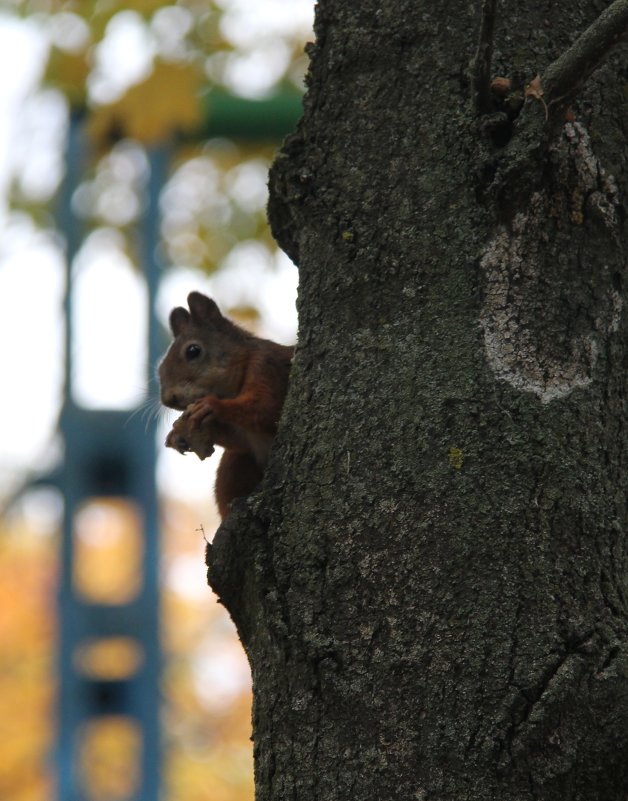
<point x="231" y="386"/>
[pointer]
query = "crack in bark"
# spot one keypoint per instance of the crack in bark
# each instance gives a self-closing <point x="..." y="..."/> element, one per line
<point x="545" y="685"/>
<point x="481" y="68"/>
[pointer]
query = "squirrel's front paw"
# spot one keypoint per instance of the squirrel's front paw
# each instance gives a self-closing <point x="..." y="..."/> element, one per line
<point x="185" y="437"/>
<point x="201" y="410"/>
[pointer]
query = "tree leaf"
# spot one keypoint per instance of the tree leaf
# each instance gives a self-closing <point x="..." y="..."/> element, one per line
<point x="535" y="90"/>
<point x="167" y="101"/>
<point x="68" y="72"/>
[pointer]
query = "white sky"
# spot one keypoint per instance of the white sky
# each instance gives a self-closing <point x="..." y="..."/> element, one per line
<point x="109" y="364"/>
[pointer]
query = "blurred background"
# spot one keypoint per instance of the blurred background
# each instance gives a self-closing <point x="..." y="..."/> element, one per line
<point x="135" y="140"/>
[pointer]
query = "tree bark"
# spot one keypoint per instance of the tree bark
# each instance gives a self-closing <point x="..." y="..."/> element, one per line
<point x="431" y="586"/>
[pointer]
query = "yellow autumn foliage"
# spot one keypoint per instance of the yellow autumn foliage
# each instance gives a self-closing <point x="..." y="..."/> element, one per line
<point x="165" y="103"/>
<point x="68" y="72"/>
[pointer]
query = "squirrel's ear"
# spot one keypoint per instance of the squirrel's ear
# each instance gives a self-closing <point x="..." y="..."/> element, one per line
<point x="203" y="309"/>
<point x="179" y="319"/>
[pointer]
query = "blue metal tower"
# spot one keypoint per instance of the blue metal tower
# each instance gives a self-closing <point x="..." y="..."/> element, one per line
<point x="109" y="456"/>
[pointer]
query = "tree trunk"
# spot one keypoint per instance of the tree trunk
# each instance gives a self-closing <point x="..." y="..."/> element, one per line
<point x="431" y="586"/>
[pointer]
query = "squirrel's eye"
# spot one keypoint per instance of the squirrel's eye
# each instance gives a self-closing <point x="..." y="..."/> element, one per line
<point x="192" y="352"/>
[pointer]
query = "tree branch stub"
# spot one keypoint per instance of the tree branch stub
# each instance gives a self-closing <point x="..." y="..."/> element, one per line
<point x="563" y="77"/>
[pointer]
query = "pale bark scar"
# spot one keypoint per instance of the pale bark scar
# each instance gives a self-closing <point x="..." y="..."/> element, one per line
<point x="520" y="291"/>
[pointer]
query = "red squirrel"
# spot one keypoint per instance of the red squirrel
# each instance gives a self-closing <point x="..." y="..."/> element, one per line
<point x="231" y="386"/>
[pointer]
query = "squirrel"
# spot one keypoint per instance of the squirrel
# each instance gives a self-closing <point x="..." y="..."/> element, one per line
<point x="231" y="386"/>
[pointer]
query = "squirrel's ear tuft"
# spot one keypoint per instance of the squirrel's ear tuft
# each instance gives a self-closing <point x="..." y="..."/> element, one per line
<point x="179" y="319"/>
<point x="203" y="309"/>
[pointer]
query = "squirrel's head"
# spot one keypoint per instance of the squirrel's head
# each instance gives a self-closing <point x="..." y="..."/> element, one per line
<point x="200" y="361"/>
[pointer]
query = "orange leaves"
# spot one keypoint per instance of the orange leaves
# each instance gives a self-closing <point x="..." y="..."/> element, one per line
<point x="27" y="563"/>
<point x="207" y="704"/>
<point x="166" y="102"/>
<point x="535" y="90"/>
<point x="501" y="86"/>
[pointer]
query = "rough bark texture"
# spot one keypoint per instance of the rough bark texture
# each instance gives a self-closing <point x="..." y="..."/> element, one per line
<point x="431" y="587"/>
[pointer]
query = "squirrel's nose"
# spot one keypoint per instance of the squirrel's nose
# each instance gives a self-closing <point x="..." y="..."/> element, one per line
<point x="171" y="399"/>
